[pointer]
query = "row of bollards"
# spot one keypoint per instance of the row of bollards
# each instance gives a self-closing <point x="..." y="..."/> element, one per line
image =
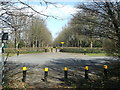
<point x="105" y="72"/>
<point x="65" y="73"/>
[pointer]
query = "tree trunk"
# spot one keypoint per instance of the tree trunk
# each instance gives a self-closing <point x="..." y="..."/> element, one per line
<point x="91" y="44"/>
<point x="80" y="44"/>
<point x="15" y="42"/>
<point x="36" y="43"/>
<point x="33" y="44"/>
<point x="42" y="43"/>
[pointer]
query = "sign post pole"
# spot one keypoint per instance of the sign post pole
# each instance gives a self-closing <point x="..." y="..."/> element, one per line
<point x="4" y="36"/>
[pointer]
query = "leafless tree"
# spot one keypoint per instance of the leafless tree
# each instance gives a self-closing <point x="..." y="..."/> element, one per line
<point x="106" y="22"/>
<point x="37" y="34"/>
<point x="15" y="15"/>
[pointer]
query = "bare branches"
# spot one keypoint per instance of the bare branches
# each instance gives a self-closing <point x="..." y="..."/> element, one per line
<point x="10" y="8"/>
<point x="36" y="10"/>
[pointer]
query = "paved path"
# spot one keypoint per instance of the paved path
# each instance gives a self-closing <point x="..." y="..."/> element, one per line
<point x="43" y="58"/>
<point x="55" y="62"/>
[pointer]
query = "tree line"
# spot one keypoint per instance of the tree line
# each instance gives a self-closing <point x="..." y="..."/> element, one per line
<point x="34" y="34"/>
<point x="26" y="29"/>
<point x="95" y="24"/>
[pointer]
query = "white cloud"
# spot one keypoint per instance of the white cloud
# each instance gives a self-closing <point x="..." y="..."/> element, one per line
<point x="59" y="11"/>
<point x="64" y="0"/>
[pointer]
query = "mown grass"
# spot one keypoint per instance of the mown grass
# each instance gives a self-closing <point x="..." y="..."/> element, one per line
<point x="10" y="55"/>
<point x="14" y="54"/>
<point x="96" y="54"/>
<point x="30" y="52"/>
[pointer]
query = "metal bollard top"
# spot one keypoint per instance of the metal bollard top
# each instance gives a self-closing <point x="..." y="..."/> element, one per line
<point x="65" y="69"/>
<point x="24" y="68"/>
<point x="86" y="67"/>
<point x="105" y="67"/>
<point x="46" y="69"/>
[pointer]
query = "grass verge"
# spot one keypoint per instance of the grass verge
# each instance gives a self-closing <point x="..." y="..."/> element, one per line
<point x="96" y="54"/>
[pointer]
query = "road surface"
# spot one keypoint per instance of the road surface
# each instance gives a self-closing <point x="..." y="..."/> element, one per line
<point x="35" y="64"/>
<point x="43" y="58"/>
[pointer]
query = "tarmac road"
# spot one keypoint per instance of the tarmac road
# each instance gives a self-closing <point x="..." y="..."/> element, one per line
<point x="43" y="58"/>
<point x="35" y="64"/>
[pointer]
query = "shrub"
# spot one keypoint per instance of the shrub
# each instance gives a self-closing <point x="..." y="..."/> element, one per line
<point x="24" y="50"/>
<point x="82" y="50"/>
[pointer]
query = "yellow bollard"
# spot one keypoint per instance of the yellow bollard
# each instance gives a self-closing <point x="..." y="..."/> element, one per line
<point x="24" y="68"/>
<point x="105" y="71"/>
<point x="86" y="67"/>
<point x="46" y="74"/>
<point x="86" y="72"/>
<point x="24" y="74"/>
<point x="65" y="73"/>
<point x="65" y="69"/>
<point x="105" y="67"/>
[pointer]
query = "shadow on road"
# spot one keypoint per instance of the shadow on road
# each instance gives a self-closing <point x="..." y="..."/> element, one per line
<point x="75" y="66"/>
<point x="95" y="64"/>
<point x="76" y="73"/>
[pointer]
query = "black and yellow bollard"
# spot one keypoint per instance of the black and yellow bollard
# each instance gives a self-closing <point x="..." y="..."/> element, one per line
<point x="24" y="74"/>
<point x="65" y="73"/>
<point x="86" y="72"/>
<point x="18" y="53"/>
<point x="45" y="74"/>
<point x="56" y="49"/>
<point x="84" y="51"/>
<point x="105" y="71"/>
<point x="51" y="49"/>
<point x="45" y="49"/>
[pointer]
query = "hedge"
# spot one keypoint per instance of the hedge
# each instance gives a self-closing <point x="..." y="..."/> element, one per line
<point x="82" y="50"/>
<point x="24" y="50"/>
